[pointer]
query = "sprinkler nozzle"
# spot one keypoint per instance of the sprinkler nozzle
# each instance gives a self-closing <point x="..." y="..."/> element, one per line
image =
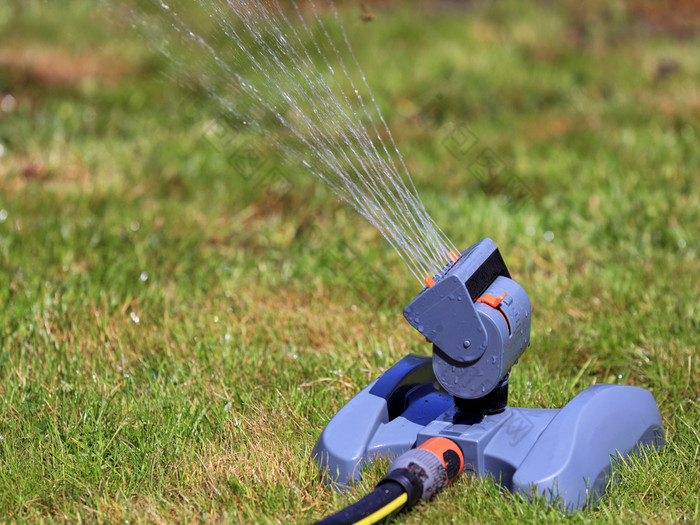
<point x="473" y="299"/>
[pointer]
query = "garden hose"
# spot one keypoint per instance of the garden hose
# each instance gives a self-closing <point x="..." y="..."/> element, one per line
<point x="417" y="474"/>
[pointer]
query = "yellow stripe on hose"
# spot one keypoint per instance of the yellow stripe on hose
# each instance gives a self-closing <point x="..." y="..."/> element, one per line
<point x="382" y="513"/>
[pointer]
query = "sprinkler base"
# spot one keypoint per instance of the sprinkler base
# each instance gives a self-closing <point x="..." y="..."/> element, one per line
<point x="564" y="455"/>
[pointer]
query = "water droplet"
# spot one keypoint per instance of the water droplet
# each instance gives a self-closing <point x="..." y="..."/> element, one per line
<point x="135" y="318"/>
<point x="143" y="276"/>
<point x="134" y="226"/>
<point x="548" y="236"/>
<point x="165" y="6"/>
<point x="8" y="103"/>
<point x="3" y="215"/>
<point x="681" y="242"/>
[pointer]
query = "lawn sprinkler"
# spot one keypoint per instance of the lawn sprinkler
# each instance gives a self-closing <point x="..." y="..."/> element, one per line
<point x="439" y="419"/>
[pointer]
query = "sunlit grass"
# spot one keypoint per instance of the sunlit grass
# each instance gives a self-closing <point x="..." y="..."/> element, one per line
<point x="174" y="336"/>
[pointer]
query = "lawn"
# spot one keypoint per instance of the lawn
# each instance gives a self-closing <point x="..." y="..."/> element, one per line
<point x="175" y="332"/>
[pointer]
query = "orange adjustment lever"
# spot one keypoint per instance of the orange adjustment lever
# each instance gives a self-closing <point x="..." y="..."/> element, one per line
<point x="493" y="302"/>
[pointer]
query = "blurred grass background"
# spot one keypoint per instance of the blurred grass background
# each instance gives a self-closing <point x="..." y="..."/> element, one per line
<point x="176" y="331"/>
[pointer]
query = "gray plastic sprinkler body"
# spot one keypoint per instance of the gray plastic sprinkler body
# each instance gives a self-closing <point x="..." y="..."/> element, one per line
<point x="478" y="320"/>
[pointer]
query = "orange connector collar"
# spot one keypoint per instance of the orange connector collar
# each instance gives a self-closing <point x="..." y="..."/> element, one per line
<point x="448" y="452"/>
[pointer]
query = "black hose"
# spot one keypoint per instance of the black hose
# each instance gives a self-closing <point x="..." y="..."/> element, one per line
<point x="379" y="504"/>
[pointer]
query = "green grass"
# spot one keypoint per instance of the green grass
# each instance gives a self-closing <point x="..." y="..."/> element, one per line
<point x="174" y="337"/>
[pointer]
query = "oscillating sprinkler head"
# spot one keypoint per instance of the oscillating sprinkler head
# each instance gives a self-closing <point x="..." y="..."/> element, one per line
<point x="478" y="320"/>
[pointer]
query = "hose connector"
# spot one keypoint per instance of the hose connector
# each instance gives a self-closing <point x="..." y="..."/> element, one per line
<point x="427" y="469"/>
<point x="417" y="474"/>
